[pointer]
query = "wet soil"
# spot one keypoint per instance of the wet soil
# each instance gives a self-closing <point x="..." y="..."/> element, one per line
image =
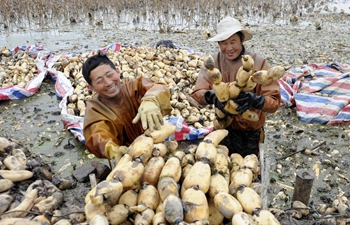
<point x="36" y="121"/>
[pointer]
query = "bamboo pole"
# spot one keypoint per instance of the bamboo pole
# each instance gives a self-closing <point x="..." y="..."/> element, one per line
<point x="265" y="176"/>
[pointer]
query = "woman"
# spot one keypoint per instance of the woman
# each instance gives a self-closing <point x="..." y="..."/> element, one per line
<point x="244" y="135"/>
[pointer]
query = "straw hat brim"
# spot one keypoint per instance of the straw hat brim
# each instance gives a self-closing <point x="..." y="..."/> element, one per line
<point x="225" y="35"/>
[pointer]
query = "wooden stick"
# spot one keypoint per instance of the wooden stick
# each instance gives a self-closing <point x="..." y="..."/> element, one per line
<point x="303" y="185"/>
<point x="301" y="150"/>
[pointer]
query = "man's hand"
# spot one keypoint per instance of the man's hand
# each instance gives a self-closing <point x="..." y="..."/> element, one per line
<point x="114" y="151"/>
<point x="150" y="114"/>
<point x="245" y="100"/>
<point x="210" y="98"/>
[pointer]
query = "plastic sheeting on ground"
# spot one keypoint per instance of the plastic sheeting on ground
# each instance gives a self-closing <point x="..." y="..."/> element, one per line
<point x="40" y="54"/>
<point x="320" y="93"/>
<point x="185" y="132"/>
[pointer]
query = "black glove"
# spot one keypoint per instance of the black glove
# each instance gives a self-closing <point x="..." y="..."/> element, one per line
<point x="245" y="100"/>
<point x="210" y="98"/>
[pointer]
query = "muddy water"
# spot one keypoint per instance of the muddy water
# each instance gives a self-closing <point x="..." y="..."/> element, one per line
<point x="36" y="123"/>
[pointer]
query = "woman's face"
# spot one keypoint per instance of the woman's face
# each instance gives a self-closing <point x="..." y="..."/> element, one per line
<point x="231" y="47"/>
<point x="105" y="81"/>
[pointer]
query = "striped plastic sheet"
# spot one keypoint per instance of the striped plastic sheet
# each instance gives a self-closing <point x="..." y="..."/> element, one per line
<point x="319" y="92"/>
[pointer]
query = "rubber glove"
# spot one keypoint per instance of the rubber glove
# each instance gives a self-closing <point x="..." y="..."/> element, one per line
<point x="114" y="151"/>
<point x="150" y="114"/>
<point x="210" y="98"/>
<point x="245" y="100"/>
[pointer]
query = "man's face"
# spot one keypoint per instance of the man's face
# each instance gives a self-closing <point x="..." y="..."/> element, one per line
<point x="105" y="81"/>
<point x="231" y="47"/>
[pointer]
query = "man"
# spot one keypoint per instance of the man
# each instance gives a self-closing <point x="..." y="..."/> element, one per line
<point x="120" y="110"/>
<point x="244" y="135"/>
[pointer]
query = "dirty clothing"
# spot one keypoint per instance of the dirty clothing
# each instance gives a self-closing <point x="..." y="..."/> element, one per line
<point x="271" y="92"/>
<point x="114" y="122"/>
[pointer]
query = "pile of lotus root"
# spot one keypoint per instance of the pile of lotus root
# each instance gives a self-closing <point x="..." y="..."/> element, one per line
<point x="156" y="183"/>
<point x="153" y="182"/>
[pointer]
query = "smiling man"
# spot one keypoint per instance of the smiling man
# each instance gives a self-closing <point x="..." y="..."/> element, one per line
<point x="121" y="110"/>
<point x="244" y="135"/>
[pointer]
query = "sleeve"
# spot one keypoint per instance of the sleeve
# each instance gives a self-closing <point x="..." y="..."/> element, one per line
<point x="98" y="129"/>
<point x="159" y="91"/>
<point x="272" y="96"/>
<point x="271" y="91"/>
<point x="202" y="85"/>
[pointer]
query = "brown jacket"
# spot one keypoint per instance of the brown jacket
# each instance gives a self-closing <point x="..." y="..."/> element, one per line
<point x="228" y="69"/>
<point x="103" y="123"/>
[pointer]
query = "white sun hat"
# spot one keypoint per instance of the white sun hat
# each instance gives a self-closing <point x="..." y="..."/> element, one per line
<point x="227" y="27"/>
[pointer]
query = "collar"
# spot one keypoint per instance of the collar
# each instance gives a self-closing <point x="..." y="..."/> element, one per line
<point x="239" y="57"/>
